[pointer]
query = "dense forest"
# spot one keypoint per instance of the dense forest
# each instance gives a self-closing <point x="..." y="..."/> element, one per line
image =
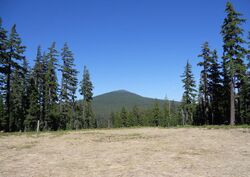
<point x="32" y="98"/>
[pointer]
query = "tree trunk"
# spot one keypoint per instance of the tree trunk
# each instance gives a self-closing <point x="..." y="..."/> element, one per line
<point x="232" y="104"/>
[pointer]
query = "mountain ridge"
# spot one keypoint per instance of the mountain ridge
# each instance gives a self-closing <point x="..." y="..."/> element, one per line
<point x="113" y="101"/>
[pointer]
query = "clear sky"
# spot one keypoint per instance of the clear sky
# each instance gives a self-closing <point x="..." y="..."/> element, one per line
<point x="138" y="45"/>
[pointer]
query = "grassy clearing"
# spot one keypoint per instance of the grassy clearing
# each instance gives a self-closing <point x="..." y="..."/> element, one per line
<point x="94" y="131"/>
<point x="132" y="151"/>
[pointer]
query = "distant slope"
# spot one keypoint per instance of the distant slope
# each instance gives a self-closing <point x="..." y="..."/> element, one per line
<point x="106" y="103"/>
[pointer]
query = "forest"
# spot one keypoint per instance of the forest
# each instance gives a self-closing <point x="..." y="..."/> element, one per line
<point x="32" y="98"/>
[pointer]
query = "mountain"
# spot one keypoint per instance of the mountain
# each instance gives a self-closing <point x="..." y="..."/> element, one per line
<point x="106" y="103"/>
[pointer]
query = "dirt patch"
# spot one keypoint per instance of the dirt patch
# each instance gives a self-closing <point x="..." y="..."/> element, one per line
<point x="128" y="152"/>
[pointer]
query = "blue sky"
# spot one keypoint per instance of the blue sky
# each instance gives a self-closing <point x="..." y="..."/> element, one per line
<point x="138" y="45"/>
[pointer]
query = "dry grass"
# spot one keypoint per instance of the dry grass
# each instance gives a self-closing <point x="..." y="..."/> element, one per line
<point x="128" y="152"/>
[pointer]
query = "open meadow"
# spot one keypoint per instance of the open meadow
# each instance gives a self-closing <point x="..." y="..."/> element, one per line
<point x="127" y="152"/>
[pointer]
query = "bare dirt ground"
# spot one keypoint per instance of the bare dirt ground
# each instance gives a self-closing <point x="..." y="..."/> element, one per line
<point x="128" y="152"/>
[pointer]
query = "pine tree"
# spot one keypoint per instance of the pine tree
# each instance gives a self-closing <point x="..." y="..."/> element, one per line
<point x="245" y="90"/>
<point x="206" y="56"/>
<point x="117" y="120"/>
<point x="25" y="81"/>
<point x="3" y="54"/>
<point x="124" y="117"/>
<point x="68" y="87"/>
<point x="3" y="72"/>
<point x="130" y="119"/>
<point x="136" y="116"/>
<point x="200" y="119"/>
<point x="188" y="98"/>
<point x="209" y="88"/>
<point x="34" y="108"/>
<point x="16" y="101"/>
<point x="14" y="55"/>
<point x="88" y="120"/>
<point x="166" y="118"/>
<point x="44" y="66"/>
<point x="215" y="90"/>
<point x="156" y="114"/>
<point x="37" y="75"/>
<point x="51" y="90"/>
<point x="233" y="53"/>
<point x="19" y="97"/>
<point x="112" y="120"/>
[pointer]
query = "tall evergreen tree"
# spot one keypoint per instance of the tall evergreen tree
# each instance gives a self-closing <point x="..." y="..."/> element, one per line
<point x="188" y="98"/>
<point x="209" y="88"/>
<point x="215" y="90"/>
<point x="3" y="72"/>
<point x="156" y="114"/>
<point x="25" y="92"/>
<point x="233" y="54"/>
<point x="166" y="118"/>
<point x="3" y="54"/>
<point x="44" y="66"/>
<point x="51" y="90"/>
<point x="14" y="55"/>
<point x="136" y="115"/>
<point x="86" y="90"/>
<point x="245" y="91"/>
<point x="19" y="97"/>
<point x="16" y="101"/>
<point x="68" y="87"/>
<point x="206" y="56"/>
<point x="37" y="75"/>
<point x="34" y="108"/>
<point x="200" y="118"/>
<point x="124" y="117"/>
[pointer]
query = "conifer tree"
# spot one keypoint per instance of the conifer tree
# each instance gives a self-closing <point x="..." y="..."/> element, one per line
<point x="15" y="51"/>
<point x="19" y="97"/>
<point x="37" y="75"/>
<point x="130" y="119"/>
<point x="86" y="88"/>
<point x="117" y="119"/>
<point x="156" y="114"/>
<point x="25" y="92"/>
<point x="112" y="119"/>
<point x="44" y="66"/>
<point x="200" y="119"/>
<point x="244" y="93"/>
<point x="124" y="117"/>
<point x="3" y="54"/>
<point x="34" y="108"/>
<point x="166" y="118"/>
<point x="136" y="115"/>
<point x="188" y="98"/>
<point x="233" y="54"/>
<point x="16" y="101"/>
<point x="3" y="72"/>
<point x="206" y="56"/>
<point x="68" y="87"/>
<point x="215" y="90"/>
<point x="209" y="88"/>
<point x="51" y="90"/>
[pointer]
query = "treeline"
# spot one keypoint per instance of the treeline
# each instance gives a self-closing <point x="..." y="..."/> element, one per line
<point x="223" y="95"/>
<point x="31" y="98"/>
<point x="165" y="116"/>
